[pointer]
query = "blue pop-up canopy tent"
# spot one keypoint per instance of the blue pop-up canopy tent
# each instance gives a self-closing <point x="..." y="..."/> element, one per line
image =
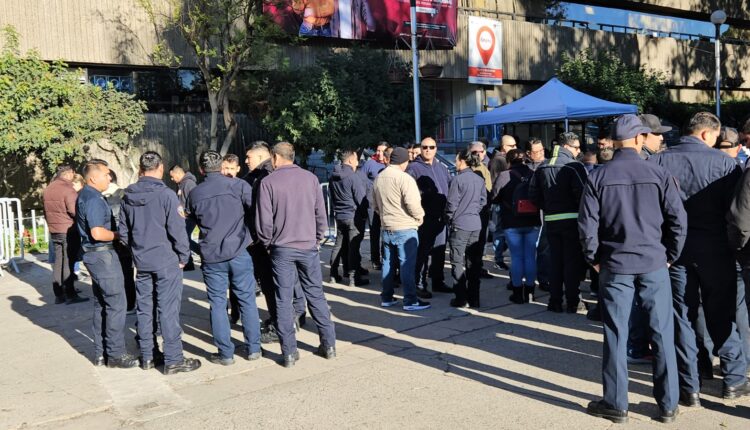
<point x="554" y="101"/>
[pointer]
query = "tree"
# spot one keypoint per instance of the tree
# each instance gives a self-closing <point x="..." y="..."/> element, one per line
<point x="225" y="37"/>
<point x="45" y="111"/>
<point x="344" y="101"/>
<point x="603" y="74"/>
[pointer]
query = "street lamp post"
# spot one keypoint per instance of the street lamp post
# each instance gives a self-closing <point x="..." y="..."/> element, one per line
<point x="415" y="70"/>
<point x="718" y="18"/>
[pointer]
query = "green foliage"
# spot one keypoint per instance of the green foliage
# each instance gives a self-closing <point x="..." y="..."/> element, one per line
<point x="733" y="112"/>
<point x="45" y="110"/>
<point x="603" y="74"/>
<point x="345" y="101"/>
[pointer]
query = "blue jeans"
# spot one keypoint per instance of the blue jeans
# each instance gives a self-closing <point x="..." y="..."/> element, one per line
<point x="616" y="293"/>
<point x="522" y="243"/>
<point x="498" y="235"/>
<point x="307" y="29"/>
<point x="401" y="245"/>
<point x="237" y="272"/>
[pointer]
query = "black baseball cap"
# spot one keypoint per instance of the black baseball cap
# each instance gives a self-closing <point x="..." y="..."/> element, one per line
<point x="653" y="122"/>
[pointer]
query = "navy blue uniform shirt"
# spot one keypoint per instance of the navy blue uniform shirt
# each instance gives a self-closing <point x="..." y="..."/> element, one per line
<point x="152" y="223"/>
<point x="631" y="219"/>
<point x="433" y="181"/>
<point x="290" y="212"/>
<point x="467" y="196"/>
<point x="218" y="206"/>
<point x="707" y="179"/>
<point x="92" y="210"/>
<point x="348" y="193"/>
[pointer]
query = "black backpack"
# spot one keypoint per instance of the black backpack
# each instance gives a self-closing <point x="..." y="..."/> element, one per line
<point x="522" y="204"/>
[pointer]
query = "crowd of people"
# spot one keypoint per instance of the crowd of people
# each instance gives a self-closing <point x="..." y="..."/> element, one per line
<point x="661" y="232"/>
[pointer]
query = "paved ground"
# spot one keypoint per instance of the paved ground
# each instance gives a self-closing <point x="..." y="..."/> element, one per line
<point x="502" y="366"/>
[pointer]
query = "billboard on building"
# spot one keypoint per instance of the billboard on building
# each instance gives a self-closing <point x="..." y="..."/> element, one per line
<point x="485" y="51"/>
<point x="366" y="19"/>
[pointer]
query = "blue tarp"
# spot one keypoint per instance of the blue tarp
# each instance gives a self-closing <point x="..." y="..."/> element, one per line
<point x="554" y="101"/>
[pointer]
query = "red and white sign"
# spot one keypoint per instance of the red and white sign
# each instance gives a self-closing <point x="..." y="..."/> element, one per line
<point x="485" y="51"/>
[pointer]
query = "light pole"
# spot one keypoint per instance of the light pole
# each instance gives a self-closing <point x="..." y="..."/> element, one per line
<point x="415" y="70"/>
<point x="718" y="18"/>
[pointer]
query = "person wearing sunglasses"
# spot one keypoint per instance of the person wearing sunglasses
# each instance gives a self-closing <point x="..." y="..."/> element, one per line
<point x="433" y="180"/>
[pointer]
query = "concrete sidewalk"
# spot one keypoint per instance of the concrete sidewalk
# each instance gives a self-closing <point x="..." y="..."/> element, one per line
<point x="502" y="366"/>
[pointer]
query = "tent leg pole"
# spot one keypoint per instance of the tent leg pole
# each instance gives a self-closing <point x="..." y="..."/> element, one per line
<point x="567" y="128"/>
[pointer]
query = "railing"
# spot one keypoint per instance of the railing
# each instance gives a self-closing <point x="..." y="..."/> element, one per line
<point x="11" y="233"/>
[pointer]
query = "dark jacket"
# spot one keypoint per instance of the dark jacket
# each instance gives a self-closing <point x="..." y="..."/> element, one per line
<point x="502" y="194"/>
<point x="290" y="211"/>
<point x="218" y="206"/>
<point x="60" y="205"/>
<point x="433" y="181"/>
<point x="371" y="169"/>
<point x="707" y="179"/>
<point x="348" y="193"/>
<point x="253" y="178"/>
<point x="467" y="197"/>
<point x="184" y="188"/>
<point x="631" y="219"/>
<point x="645" y="153"/>
<point x="152" y="224"/>
<point x="92" y="211"/>
<point x="557" y="185"/>
<point x="738" y="221"/>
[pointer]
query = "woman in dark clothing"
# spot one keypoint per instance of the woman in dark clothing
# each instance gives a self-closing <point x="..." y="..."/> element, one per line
<point x="467" y="195"/>
<point x="521" y="221"/>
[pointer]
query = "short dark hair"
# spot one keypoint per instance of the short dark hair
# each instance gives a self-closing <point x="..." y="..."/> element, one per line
<point x="284" y="150"/>
<point x="534" y="141"/>
<point x="63" y="168"/>
<point x="176" y="167"/>
<point x="150" y="161"/>
<point x="471" y="158"/>
<point x="92" y="165"/>
<point x="567" y="138"/>
<point x="702" y="121"/>
<point x="383" y="143"/>
<point x="515" y="156"/>
<point x="112" y="176"/>
<point x="231" y="158"/>
<point x="412" y="145"/>
<point x="346" y="153"/>
<point x="258" y="145"/>
<point x="210" y="161"/>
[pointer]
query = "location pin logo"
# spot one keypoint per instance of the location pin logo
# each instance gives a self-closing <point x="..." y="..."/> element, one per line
<point x="486" y="43"/>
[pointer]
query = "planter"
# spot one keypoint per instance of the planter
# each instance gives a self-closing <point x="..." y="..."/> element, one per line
<point x="397" y="76"/>
<point x="431" y="71"/>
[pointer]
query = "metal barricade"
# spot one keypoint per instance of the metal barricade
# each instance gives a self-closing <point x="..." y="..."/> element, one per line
<point x="330" y="221"/>
<point x="11" y="232"/>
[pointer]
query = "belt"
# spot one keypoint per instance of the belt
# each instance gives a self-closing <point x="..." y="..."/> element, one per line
<point x="562" y="216"/>
<point x="99" y="248"/>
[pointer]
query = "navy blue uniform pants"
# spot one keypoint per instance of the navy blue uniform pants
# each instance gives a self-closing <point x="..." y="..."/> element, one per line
<point x="566" y="261"/>
<point x="711" y="281"/>
<point x="237" y="272"/>
<point x="466" y="264"/>
<point x="374" y="219"/>
<point x="289" y="265"/>
<point x="346" y="249"/>
<point x="162" y="288"/>
<point x="109" y="303"/>
<point x="264" y="276"/>
<point x="431" y="253"/>
<point x="616" y="294"/>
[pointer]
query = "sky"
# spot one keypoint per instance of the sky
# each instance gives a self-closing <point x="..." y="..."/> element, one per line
<point x="604" y="15"/>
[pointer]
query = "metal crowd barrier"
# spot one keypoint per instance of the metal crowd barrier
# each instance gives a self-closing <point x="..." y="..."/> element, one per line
<point x="331" y="230"/>
<point x="11" y="233"/>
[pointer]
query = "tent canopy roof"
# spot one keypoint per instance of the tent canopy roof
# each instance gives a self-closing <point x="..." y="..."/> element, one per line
<point x="554" y="101"/>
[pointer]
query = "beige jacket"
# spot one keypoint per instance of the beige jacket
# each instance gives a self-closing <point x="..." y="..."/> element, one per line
<point x="397" y="200"/>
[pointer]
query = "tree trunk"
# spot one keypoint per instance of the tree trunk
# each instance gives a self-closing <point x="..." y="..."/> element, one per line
<point x="230" y="125"/>
<point x="214" y="102"/>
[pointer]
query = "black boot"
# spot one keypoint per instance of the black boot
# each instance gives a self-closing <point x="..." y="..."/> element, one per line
<point x="528" y="293"/>
<point x="517" y="296"/>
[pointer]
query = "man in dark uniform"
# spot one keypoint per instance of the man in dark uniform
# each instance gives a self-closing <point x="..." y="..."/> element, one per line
<point x="290" y="219"/>
<point x="705" y="273"/>
<point x="556" y="188"/>
<point x="433" y="180"/>
<point x="218" y="206"/>
<point x="152" y="224"/>
<point x="632" y="227"/>
<point x="258" y="160"/>
<point x="185" y="183"/>
<point x="370" y="170"/>
<point x="97" y="228"/>
<point x="349" y="201"/>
